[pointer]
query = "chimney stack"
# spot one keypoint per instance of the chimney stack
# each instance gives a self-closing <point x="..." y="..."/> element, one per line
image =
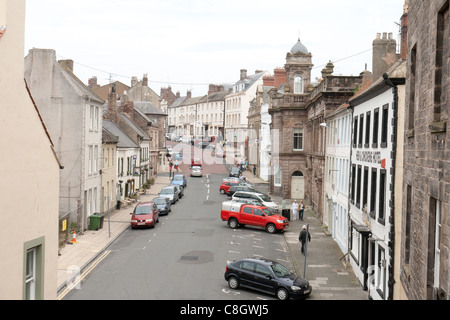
<point x="384" y="54"/>
<point x="189" y="94"/>
<point x="145" y="80"/>
<point x="243" y="74"/>
<point x="280" y="77"/>
<point x="269" y="81"/>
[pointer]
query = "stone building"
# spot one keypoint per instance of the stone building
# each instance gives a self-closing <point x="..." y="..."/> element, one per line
<point x="297" y="109"/>
<point x="425" y="245"/>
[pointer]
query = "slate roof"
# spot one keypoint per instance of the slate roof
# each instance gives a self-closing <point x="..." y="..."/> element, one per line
<point x="135" y="127"/>
<point x="124" y="140"/>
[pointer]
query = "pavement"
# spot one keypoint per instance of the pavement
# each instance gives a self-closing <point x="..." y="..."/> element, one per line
<point x="329" y="276"/>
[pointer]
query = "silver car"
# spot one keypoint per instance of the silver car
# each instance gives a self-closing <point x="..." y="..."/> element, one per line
<point x="169" y="192"/>
<point x="196" y="171"/>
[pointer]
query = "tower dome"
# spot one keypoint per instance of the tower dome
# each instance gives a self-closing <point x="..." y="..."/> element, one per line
<point x="299" y="47"/>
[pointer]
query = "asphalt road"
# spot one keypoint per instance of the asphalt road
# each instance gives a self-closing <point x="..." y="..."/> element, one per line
<point x="184" y="256"/>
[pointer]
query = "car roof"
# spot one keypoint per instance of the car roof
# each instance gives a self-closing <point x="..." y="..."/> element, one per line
<point x="250" y="192"/>
<point x="145" y="204"/>
<point x="265" y="261"/>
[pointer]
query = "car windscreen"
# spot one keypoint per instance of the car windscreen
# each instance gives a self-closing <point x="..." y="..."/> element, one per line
<point x="167" y="191"/>
<point x="267" y="211"/>
<point x="160" y="201"/>
<point x="143" y="210"/>
<point x="234" y="169"/>
<point x="265" y="197"/>
<point x="178" y="178"/>
<point x="280" y="270"/>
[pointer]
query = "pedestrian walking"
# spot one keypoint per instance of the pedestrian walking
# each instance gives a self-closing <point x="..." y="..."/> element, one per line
<point x="302" y="208"/>
<point x="294" y="210"/>
<point x="170" y="166"/>
<point x="303" y="237"/>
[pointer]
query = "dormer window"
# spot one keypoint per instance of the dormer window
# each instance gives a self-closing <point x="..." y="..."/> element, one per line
<point x="298" y="84"/>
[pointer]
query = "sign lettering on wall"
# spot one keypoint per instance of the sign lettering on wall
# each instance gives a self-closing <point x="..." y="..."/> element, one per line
<point x="369" y="156"/>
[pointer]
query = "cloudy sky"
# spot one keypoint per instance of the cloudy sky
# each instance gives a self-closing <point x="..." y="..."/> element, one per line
<point x="187" y="44"/>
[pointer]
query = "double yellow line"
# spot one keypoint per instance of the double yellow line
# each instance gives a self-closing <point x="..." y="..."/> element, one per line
<point x="83" y="275"/>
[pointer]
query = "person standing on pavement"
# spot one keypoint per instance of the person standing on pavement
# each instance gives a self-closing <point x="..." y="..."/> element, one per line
<point x="303" y="237"/>
<point x="294" y="210"/>
<point x="301" y="207"/>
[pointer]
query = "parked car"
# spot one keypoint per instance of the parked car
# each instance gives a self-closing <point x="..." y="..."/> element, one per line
<point x="226" y="185"/>
<point x="185" y="139"/>
<point x="241" y="181"/>
<point x="236" y="214"/>
<point x="267" y="276"/>
<point x="179" y="180"/>
<point x="169" y="192"/>
<point x="233" y="189"/>
<point x="163" y="204"/>
<point x="235" y="172"/>
<point x="145" y="214"/>
<point x="180" y="191"/>
<point x="261" y="197"/>
<point x="196" y="171"/>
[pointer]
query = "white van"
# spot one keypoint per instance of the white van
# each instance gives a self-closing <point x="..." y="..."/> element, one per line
<point x="258" y="196"/>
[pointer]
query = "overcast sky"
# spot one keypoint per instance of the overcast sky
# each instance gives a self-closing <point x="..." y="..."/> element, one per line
<point x="188" y="44"/>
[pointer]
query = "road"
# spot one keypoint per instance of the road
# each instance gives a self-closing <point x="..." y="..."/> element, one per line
<point x="184" y="256"/>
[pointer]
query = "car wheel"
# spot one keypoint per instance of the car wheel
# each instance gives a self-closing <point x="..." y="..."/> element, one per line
<point x="233" y="282"/>
<point x="282" y="294"/>
<point x="271" y="228"/>
<point x="222" y="191"/>
<point x="233" y="223"/>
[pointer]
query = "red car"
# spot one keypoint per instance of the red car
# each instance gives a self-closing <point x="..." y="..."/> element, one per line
<point x="145" y="214"/>
<point x="226" y="185"/>
<point x="196" y="162"/>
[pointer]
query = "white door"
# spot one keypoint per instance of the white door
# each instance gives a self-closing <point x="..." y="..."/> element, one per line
<point x="297" y="187"/>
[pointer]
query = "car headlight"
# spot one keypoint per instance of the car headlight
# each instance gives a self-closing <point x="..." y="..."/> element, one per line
<point x="295" y="288"/>
<point x="149" y="220"/>
<point x="133" y="220"/>
<point x="280" y="221"/>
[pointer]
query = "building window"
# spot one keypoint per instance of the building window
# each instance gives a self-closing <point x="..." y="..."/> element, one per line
<point x="367" y="137"/>
<point x="408" y="223"/>
<point x="361" y="130"/>
<point x="384" y="126"/>
<point x="298" y="139"/>
<point x="352" y="192"/>
<point x="33" y="274"/>
<point x="382" y="198"/>
<point x="365" y="186"/>
<point x="358" y="188"/>
<point x="376" y="117"/>
<point x="30" y="275"/>
<point x="373" y="193"/>
<point x="298" y="85"/>
<point x="355" y="131"/>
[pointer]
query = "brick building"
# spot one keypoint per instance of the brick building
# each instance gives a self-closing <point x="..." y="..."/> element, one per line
<point x="426" y="187"/>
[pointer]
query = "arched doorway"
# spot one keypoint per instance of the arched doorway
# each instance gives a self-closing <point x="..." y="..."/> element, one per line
<point x="297" y="186"/>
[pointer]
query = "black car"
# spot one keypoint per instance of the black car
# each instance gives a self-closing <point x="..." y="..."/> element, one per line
<point x="233" y="189"/>
<point x="235" y="172"/>
<point x="267" y="276"/>
<point x="163" y="204"/>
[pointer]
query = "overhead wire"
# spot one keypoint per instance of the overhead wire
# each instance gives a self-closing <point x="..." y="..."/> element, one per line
<point x="113" y="74"/>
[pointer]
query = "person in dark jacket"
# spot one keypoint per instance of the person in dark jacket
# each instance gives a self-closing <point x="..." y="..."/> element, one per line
<point x="303" y="237"/>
